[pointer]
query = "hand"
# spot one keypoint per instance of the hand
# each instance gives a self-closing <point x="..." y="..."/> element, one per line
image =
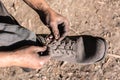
<point x="29" y="58"/>
<point x="58" y="24"/>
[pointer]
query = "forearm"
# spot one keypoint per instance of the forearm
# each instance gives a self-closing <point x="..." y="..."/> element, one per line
<point x="38" y="4"/>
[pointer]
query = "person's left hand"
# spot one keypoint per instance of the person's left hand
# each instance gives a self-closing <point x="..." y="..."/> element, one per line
<point x="28" y="57"/>
<point x="58" y="25"/>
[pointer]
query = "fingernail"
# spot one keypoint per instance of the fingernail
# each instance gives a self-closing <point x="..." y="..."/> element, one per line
<point x="45" y="47"/>
<point x="56" y="36"/>
<point x="51" y="37"/>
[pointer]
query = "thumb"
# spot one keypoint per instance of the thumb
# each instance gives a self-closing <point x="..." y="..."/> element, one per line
<point x="55" y="30"/>
<point x="40" y="49"/>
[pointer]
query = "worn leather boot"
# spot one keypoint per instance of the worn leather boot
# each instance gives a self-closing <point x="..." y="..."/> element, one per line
<point x="76" y="49"/>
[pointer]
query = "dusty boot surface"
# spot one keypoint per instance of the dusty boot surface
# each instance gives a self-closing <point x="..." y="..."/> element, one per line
<point x="77" y="49"/>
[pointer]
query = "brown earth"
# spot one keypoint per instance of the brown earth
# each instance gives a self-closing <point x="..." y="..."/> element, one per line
<point x="91" y="17"/>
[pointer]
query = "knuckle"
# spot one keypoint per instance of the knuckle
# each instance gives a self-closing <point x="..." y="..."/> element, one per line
<point x="41" y="63"/>
<point x="32" y="47"/>
<point x="52" y="24"/>
<point x="66" y="21"/>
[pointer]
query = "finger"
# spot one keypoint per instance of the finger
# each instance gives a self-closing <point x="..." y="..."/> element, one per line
<point x="55" y="30"/>
<point x="44" y="60"/>
<point x="40" y="63"/>
<point x="49" y="39"/>
<point x="67" y="25"/>
<point x="40" y="49"/>
<point x="62" y="37"/>
<point x="65" y="22"/>
<point x="66" y="29"/>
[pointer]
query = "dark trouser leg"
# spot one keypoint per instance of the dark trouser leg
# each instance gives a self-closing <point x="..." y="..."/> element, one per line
<point x="11" y="32"/>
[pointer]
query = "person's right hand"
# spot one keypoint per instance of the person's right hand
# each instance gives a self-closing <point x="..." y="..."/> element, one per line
<point x="29" y="58"/>
<point x="58" y="24"/>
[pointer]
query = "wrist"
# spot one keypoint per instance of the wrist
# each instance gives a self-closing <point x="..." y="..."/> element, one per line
<point x="41" y="7"/>
<point x="7" y="59"/>
<point x="38" y="5"/>
<point x="50" y="12"/>
<point x="11" y="58"/>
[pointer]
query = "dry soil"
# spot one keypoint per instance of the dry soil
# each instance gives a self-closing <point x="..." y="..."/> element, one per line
<point x="90" y="17"/>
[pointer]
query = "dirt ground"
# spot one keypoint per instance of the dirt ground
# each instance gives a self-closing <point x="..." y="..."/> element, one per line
<point x="90" y="17"/>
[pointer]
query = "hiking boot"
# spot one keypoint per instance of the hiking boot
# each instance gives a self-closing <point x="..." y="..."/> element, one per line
<point x="76" y="49"/>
